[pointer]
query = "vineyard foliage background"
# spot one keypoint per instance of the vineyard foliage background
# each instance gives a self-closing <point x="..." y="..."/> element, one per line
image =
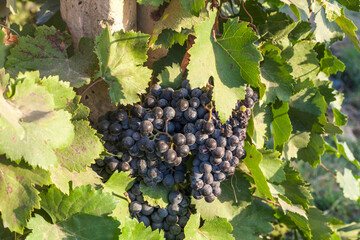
<point x="278" y="47"/>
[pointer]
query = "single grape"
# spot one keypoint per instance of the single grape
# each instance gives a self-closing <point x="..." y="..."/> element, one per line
<point x="175" y="197"/>
<point x="179" y="139"/>
<point x="183" y="151"/>
<point x="145" y="220"/>
<point x="115" y="128"/>
<point x="146" y="127"/>
<point x="182" y="104"/>
<point x="211" y="143"/>
<point x="210" y="198"/>
<point x="206" y="190"/>
<point x="169" y="113"/>
<point x="135" y="207"/>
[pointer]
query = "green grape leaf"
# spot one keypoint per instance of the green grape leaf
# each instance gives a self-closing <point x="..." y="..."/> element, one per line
<point x="319" y="224"/>
<point x="232" y="60"/>
<point x="216" y="228"/>
<point x="281" y="123"/>
<point x="306" y="109"/>
<point x="345" y="151"/>
<point x="234" y="197"/>
<point x="339" y="118"/>
<point x="30" y="128"/>
<point x="286" y="205"/>
<point x="81" y="199"/>
<point x="252" y="161"/>
<point x="302" y="223"/>
<point x="349" y="184"/>
<point x="194" y="6"/>
<point x="314" y="150"/>
<point x="79" y="226"/>
<point x="171" y="77"/>
<point x="324" y="86"/>
<point x="132" y="229"/>
<point x="300" y="8"/>
<point x="294" y="188"/>
<point x="325" y="31"/>
<point x="61" y="177"/>
<point x="255" y="219"/>
<point x="353" y="5"/>
<point x="85" y="148"/>
<point x="271" y="166"/>
<point x="262" y="120"/>
<point x="154" y="3"/>
<point x="275" y="74"/>
<point x="156" y="195"/>
<point x="176" y="18"/>
<point x="335" y="13"/>
<point x="48" y="49"/>
<point x="78" y="110"/>
<point x="121" y="212"/>
<point x="119" y="183"/>
<point x="296" y="141"/>
<point x="329" y="64"/>
<point x="18" y="193"/>
<point x="303" y="60"/>
<point x="121" y="57"/>
<point x="167" y="38"/>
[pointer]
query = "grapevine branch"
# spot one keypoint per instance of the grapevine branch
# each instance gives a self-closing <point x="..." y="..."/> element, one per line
<point x="90" y="86"/>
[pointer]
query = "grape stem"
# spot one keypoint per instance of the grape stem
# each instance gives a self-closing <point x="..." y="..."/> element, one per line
<point x="127" y="197"/>
<point x="266" y="200"/>
<point x="90" y="86"/>
<point x="328" y="170"/>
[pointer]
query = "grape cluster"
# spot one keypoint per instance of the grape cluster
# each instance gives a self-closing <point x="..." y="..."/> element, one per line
<point x="153" y="140"/>
<point x="220" y="149"/>
<point x="171" y="219"/>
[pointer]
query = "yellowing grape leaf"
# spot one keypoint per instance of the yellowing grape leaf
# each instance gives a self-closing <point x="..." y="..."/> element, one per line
<point x="18" y="194"/>
<point x="30" y="127"/>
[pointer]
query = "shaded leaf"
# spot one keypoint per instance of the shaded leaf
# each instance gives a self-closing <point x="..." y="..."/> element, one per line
<point x="255" y="219"/>
<point x="156" y="195"/>
<point x="48" y="49"/>
<point x="79" y="226"/>
<point x="234" y="197"/>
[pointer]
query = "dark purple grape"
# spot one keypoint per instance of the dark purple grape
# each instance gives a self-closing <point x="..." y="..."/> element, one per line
<point x="170" y="156"/>
<point x="169" y="113"/>
<point x="210" y="198"/>
<point x="150" y="101"/>
<point x="211" y="143"/>
<point x="147" y="209"/>
<point x="156" y="90"/>
<point x="182" y="104"/>
<point x="135" y="207"/>
<point x="146" y="127"/>
<point x="179" y="139"/>
<point x="206" y="190"/>
<point x="162" y="146"/>
<point x="183" y="151"/>
<point x="103" y="125"/>
<point x="115" y="128"/>
<point x="208" y="128"/>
